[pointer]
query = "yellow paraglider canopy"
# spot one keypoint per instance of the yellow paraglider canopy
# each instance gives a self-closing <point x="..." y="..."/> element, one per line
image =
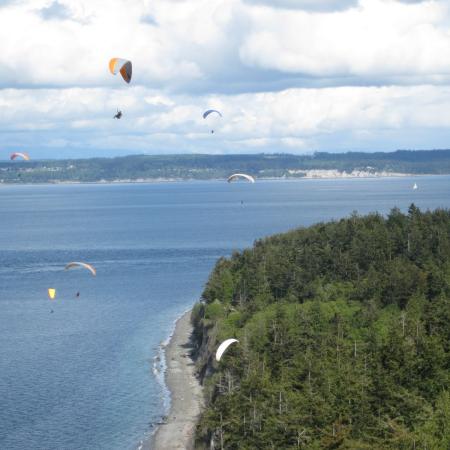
<point x="51" y="293"/>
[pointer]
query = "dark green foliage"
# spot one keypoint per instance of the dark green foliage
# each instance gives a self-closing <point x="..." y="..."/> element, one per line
<point x="205" y="167"/>
<point x="344" y="333"/>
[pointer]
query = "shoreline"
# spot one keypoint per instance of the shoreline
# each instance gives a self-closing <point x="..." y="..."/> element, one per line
<point x="186" y="393"/>
<point x="194" y="180"/>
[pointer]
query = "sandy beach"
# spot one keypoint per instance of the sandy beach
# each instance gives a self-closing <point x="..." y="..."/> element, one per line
<point x="185" y="389"/>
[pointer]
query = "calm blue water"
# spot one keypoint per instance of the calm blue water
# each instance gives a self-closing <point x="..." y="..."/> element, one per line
<point x="81" y="377"/>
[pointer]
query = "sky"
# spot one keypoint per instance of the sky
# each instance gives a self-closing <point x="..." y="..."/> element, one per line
<point x="293" y="76"/>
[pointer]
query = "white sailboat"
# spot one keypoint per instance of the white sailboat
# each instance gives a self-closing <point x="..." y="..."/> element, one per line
<point x="415" y="186"/>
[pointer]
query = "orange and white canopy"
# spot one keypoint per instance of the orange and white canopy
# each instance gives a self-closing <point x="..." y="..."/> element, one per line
<point x="123" y="66"/>
<point x="19" y="155"/>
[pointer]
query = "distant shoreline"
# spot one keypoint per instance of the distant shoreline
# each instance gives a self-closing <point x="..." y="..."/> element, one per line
<point x="184" y="180"/>
<point x="183" y="167"/>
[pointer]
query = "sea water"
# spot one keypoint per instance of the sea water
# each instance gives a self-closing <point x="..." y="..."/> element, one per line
<point x="78" y="373"/>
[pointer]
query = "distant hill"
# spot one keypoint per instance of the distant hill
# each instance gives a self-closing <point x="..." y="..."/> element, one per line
<point x="205" y="167"/>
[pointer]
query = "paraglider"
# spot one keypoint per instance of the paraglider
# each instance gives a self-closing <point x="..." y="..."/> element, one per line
<point x="118" y="115"/>
<point x="211" y="111"/>
<point x="83" y="265"/>
<point x="223" y="348"/>
<point x="237" y="176"/>
<point x="19" y="155"/>
<point x="51" y="293"/>
<point x="123" y="66"/>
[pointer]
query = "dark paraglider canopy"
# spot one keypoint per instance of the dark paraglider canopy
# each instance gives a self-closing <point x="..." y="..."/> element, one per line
<point x="210" y="111"/>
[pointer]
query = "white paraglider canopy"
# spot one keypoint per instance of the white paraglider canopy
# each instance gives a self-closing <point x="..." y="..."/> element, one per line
<point x="223" y="348"/>
<point x="244" y="176"/>
<point x="81" y="264"/>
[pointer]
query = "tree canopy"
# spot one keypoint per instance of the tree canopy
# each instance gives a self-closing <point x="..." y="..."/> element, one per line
<point x="344" y="338"/>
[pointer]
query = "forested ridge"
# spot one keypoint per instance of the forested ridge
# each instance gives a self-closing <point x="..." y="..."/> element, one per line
<point x="206" y="167"/>
<point x="344" y="331"/>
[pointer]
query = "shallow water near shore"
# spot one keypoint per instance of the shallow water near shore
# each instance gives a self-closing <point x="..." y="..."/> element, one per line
<point x="82" y="376"/>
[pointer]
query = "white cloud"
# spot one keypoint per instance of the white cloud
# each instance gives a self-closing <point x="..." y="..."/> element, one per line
<point x="312" y="5"/>
<point x="224" y="45"/>
<point x="296" y="120"/>
<point x="315" y="5"/>
<point x="287" y="75"/>
<point x="379" y="39"/>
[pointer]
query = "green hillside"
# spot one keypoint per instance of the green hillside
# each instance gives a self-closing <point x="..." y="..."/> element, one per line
<point x="344" y="331"/>
<point x="206" y="167"/>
